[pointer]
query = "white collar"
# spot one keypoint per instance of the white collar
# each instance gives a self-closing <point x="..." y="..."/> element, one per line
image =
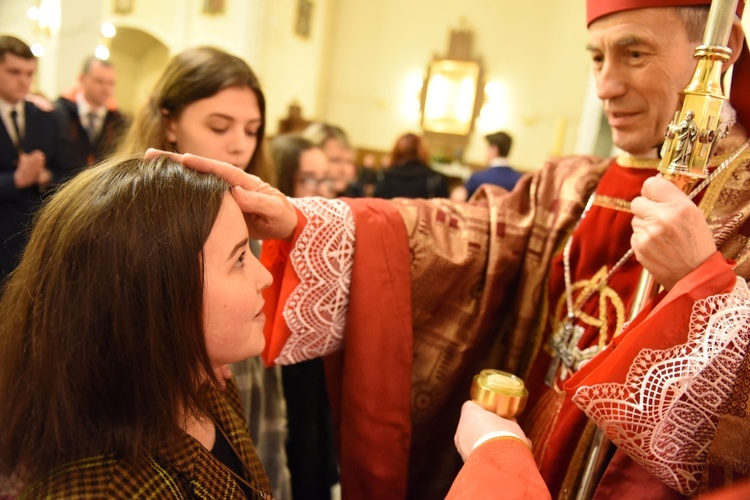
<point x="6" y="107"/>
<point x="499" y="161"/>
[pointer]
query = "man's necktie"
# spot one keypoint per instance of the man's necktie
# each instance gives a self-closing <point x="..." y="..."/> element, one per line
<point x="91" y="129"/>
<point x="17" y="129"/>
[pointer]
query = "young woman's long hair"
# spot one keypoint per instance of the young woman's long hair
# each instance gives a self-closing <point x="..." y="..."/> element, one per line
<point x="102" y="348"/>
<point x="192" y="75"/>
<point x="286" y="151"/>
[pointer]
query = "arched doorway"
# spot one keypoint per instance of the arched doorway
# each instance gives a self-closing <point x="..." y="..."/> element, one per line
<point x="139" y="58"/>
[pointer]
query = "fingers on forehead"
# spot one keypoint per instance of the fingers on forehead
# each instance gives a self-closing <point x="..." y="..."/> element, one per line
<point x="153" y="153"/>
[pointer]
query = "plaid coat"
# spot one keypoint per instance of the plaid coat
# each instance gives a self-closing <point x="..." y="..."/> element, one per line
<point x="190" y="471"/>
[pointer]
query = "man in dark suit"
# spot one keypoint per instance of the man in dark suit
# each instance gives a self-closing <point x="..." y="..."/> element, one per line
<point x="499" y="171"/>
<point x="90" y="126"/>
<point x="29" y="151"/>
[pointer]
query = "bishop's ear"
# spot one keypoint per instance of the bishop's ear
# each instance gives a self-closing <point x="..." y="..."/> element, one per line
<point x="736" y="42"/>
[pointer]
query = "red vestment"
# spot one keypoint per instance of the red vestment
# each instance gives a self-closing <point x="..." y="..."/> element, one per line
<point x="486" y="281"/>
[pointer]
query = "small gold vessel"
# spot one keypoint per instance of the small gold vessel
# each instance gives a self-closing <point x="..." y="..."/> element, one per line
<point x="499" y="392"/>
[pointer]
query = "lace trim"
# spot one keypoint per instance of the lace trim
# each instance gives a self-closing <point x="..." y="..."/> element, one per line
<point x="322" y="258"/>
<point x="665" y="414"/>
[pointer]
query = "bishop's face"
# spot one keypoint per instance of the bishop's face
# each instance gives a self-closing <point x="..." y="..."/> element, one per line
<point x="642" y="60"/>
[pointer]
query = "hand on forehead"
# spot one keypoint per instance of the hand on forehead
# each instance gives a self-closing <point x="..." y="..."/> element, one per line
<point x="233" y="175"/>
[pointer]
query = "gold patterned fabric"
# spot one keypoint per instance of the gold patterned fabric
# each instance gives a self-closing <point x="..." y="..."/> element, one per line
<point x="187" y="471"/>
<point x="478" y="274"/>
<point x="480" y="278"/>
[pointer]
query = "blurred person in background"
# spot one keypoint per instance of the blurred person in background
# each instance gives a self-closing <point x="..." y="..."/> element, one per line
<point x="335" y="144"/>
<point x="90" y="124"/>
<point x="302" y="169"/>
<point x="498" y="172"/>
<point x="410" y="174"/>
<point x="30" y="161"/>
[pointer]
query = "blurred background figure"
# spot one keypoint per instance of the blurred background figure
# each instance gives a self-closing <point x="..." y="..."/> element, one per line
<point x="303" y="170"/>
<point x="499" y="171"/>
<point x="410" y="175"/>
<point x="209" y="103"/>
<point x="29" y="151"/>
<point x="367" y="175"/>
<point x="301" y="167"/>
<point x="335" y="144"/>
<point x="90" y="124"/>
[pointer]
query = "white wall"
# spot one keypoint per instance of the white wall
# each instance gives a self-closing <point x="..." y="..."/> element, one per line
<point x="291" y="68"/>
<point x="362" y="66"/>
<point x="13" y="21"/>
<point x="79" y="35"/>
<point x="139" y="60"/>
<point x="535" y="51"/>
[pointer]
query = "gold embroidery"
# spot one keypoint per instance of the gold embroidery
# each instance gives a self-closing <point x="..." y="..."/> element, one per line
<point x="627" y="161"/>
<point x="711" y="196"/>
<point x="583" y="289"/>
<point x="601" y="200"/>
<point x="541" y="420"/>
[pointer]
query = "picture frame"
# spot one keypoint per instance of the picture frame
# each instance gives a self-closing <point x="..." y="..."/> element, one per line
<point x="214" y="7"/>
<point x="450" y="96"/>
<point x="303" y="21"/>
<point x="123" y="7"/>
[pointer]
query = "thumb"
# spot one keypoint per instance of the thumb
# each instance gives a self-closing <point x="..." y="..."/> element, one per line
<point x="659" y="189"/>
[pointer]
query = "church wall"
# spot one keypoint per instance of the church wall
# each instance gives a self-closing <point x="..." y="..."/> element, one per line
<point x="361" y="65"/>
<point x="535" y="54"/>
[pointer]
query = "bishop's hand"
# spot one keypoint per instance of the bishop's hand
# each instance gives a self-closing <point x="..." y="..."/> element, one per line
<point x="670" y="235"/>
<point x="268" y="213"/>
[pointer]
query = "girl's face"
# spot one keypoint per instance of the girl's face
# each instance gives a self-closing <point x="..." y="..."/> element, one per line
<point x="312" y="178"/>
<point x="232" y="302"/>
<point x="338" y="155"/>
<point x="222" y="127"/>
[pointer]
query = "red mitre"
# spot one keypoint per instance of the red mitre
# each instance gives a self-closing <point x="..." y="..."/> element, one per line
<point x="598" y="8"/>
<point x="740" y="92"/>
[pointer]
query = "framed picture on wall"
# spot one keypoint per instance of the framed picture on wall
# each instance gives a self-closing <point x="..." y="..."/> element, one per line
<point x="213" y="7"/>
<point x="304" y="18"/>
<point x="450" y="96"/>
<point x="123" y="7"/>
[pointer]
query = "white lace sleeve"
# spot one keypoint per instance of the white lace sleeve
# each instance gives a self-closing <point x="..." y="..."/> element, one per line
<point x="322" y="258"/>
<point x="665" y="414"/>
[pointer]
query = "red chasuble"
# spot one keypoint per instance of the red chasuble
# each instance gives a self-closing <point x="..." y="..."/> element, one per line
<point x="369" y="382"/>
<point x="556" y="426"/>
<point x="670" y="315"/>
<point x="553" y="423"/>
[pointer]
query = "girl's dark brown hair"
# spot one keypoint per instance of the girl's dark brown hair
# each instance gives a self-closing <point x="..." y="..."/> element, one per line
<point x="286" y="151"/>
<point x="102" y="347"/>
<point x="192" y="75"/>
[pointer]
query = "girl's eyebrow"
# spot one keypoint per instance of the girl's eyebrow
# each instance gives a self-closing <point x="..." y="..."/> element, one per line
<point x="239" y="245"/>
